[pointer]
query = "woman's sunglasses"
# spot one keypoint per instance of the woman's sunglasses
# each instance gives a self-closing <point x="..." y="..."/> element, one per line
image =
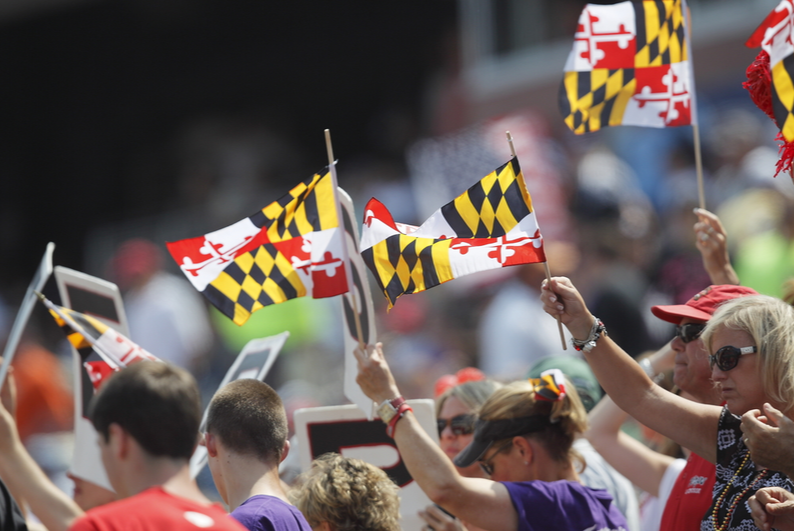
<point x="727" y="358"/>
<point x="459" y="425"/>
<point x="486" y="464"/>
<point x="690" y="331"/>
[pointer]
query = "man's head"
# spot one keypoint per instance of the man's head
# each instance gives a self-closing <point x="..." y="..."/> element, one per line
<point x="691" y="370"/>
<point x="156" y="404"/>
<point x="248" y="418"/>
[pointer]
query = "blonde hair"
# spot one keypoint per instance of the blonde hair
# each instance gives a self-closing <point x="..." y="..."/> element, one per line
<point x="471" y="394"/>
<point x="349" y="494"/>
<point x="568" y="419"/>
<point x="769" y="321"/>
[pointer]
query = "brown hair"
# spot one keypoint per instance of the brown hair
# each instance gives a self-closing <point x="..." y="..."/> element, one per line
<point x="249" y="418"/>
<point x="158" y="404"/>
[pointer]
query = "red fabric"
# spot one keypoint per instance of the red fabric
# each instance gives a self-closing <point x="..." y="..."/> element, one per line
<point x="155" y="509"/>
<point x="691" y="496"/>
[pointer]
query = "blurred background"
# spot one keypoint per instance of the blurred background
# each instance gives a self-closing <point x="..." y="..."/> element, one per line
<point x="158" y="120"/>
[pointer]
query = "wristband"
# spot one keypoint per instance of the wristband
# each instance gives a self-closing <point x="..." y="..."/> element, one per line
<point x="402" y="408"/>
<point x="585" y="345"/>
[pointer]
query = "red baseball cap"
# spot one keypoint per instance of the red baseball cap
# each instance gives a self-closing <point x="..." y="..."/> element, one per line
<point x="703" y="304"/>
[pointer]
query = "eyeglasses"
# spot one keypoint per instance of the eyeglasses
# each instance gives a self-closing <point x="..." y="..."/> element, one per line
<point x="690" y="331"/>
<point x="459" y="425"/>
<point x="727" y="358"/>
<point x="485" y="464"/>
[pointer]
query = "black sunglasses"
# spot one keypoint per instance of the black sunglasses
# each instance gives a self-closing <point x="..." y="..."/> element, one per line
<point x="459" y="425"/>
<point x="727" y="358"/>
<point x="486" y="465"/>
<point x="690" y="331"/>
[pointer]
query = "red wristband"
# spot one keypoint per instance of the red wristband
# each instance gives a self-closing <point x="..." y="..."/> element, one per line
<point x="390" y="428"/>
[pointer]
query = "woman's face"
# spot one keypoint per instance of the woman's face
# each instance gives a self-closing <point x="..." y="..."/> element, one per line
<point x="741" y="387"/>
<point x="451" y="443"/>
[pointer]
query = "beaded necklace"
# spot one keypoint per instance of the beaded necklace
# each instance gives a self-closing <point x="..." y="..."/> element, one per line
<point x="737" y="499"/>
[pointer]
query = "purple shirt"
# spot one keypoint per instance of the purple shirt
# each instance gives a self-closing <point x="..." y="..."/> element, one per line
<point x="268" y="513"/>
<point x="563" y="505"/>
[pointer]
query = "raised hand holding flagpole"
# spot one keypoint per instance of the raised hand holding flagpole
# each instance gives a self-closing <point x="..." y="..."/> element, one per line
<point x="332" y="165"/>
<point x="546" y="264"/>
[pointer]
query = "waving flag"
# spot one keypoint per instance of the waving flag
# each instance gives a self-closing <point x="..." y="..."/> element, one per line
<point x="491" y="225"/>
<point x="291" y="248"/>
<point x="774" y="36"/>
<point x="628" y="66"/>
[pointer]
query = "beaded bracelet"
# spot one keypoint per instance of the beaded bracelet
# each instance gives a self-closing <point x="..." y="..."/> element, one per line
<point x="585" y="345"/>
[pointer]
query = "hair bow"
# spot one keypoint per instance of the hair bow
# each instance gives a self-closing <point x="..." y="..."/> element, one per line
<point x="550" y="386"/>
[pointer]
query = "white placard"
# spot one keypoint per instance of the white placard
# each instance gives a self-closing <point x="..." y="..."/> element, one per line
<point x="346" y="430"/>
<point x="254" y="361"/>
<point x="360" y="289"/>
<point x="37" y="284"/>
<point x="100" y="299"/>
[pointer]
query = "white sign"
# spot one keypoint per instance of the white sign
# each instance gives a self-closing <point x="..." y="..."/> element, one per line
<point x="254" y="361"/>
<point x="360" y="289"/>
<point x="99" y="299"/>
<point x="37" y="284"/>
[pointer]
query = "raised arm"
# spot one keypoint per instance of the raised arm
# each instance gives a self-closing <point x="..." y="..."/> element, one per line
<point x="634" y="460"/>
<point x="694" y="426"/>
<point x="481" y="502"/>
<point x="55" y="509"/>
<point x="711" y="243"/>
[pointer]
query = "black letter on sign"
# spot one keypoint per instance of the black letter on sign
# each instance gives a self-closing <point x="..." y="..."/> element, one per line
<point x="334" y="436"/>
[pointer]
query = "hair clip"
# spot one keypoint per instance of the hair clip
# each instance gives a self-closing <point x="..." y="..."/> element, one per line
<point x="550" y="386"/>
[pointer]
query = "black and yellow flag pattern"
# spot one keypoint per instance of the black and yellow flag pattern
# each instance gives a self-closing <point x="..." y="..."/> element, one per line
<point x="660" y="37"/>
<point x="619" y="71"/>
<point x="252" y="264"/>
<point x="782" y="95"/>
<point x="444" y="247"/>
<point x="254" y="280"/>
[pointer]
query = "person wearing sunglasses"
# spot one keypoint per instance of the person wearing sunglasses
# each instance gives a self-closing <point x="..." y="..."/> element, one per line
<point x="523" y="440"/>
<point x="758" y="368"/>
<point x="455" y="418"/>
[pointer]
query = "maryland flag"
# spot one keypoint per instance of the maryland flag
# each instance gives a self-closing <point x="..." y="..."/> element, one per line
<point x="291" y="248"/>
<point x="102" y="349"/>
<point x="774" y="36"/>
<point x="491" y="225"/>
<point x="628" y="66"/>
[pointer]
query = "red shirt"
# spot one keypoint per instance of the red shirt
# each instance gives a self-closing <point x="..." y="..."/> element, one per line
<point x="691" y="496"/>
<point x="156" y="509"/>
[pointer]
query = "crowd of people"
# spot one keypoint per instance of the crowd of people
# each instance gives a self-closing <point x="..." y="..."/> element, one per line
<point x="546" y="451"/>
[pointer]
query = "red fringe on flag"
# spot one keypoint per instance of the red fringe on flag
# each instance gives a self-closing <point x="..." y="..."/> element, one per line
<point x="758" y="84"/>
<point x="785" y="152"/>
<point x="758" y="87"/>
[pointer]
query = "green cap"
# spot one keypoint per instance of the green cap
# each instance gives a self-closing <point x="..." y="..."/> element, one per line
<point x="577" y="371"/>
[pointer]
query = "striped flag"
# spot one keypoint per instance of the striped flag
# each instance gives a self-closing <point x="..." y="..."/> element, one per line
<point x="774" y="36"/>
<point x="291" y="248"/>
<point x="102" y="349"/>
<point x="491" y="225"/>
<point x="628" y="66"/>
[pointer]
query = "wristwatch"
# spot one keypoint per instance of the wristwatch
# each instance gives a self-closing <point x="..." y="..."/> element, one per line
<point x="389" y="408"/>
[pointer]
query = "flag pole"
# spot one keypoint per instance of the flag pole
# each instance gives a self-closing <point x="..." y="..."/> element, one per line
<point x="693" y="107"/>
<point x="546" y="265"/>
<point x="332" y="168"/>
<point x="109" y="359"/>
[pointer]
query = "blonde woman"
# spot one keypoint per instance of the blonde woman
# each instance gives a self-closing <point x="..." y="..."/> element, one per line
<point x="522" y="440"/>
<point x="750" y="342"/>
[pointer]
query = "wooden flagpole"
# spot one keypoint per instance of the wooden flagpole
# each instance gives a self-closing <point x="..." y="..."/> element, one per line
<point x="693" y="107"/>
<point x="546" y="265"/>
<point x="348" y="272"/>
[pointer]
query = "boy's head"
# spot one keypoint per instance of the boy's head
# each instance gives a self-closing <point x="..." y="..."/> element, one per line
<point x="156" y="403"/>
<point x="248" y="418"/>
